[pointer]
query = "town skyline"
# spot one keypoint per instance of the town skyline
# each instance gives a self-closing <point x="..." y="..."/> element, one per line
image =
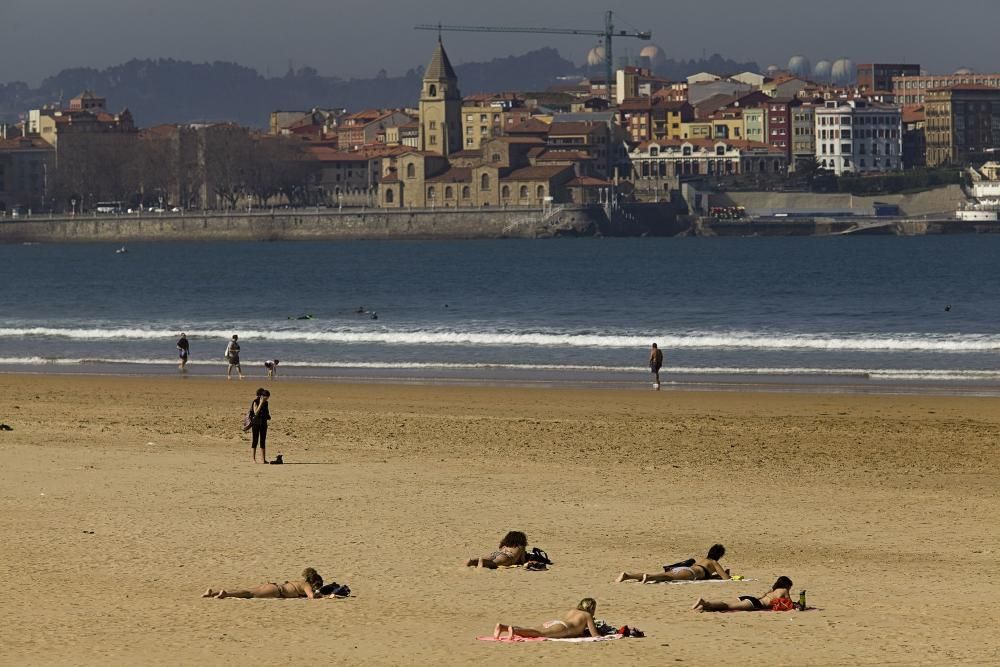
<point x="269" y="39"/>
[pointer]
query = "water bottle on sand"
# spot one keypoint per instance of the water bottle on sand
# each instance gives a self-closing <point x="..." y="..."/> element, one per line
<point x="802" y="600"/>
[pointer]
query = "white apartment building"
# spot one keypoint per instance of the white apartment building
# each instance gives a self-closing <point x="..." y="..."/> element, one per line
<point x="859" y="136"/>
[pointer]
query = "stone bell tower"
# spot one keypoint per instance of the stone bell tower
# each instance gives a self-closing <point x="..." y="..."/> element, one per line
<point x="440" y="106"/>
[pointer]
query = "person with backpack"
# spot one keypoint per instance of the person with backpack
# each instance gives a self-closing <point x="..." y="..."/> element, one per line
<point x="233" y="357"/>
<point x="259" y="415"/>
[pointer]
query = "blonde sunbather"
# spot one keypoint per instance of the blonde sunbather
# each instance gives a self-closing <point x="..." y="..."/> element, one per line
<point x="575" y="623"/>
<point x="307" y="587"/>
<point x="780" y="590"/>
<point x="703" y="568"/>
<point x="512" y="551"/>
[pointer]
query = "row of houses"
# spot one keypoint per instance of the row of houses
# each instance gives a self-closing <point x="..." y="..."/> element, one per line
<point x="573" y="143"/>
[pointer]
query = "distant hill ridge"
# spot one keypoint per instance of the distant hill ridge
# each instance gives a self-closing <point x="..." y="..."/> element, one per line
<point x="177" y="91"/>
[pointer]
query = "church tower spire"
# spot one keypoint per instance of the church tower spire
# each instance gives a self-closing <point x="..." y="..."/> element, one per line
<point x="440" y="106"/>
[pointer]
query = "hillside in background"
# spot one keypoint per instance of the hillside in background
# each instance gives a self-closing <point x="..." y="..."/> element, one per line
<point x="175" y="91"/>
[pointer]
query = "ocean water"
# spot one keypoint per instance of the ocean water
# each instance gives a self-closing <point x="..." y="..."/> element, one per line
<point x="855" y="312"/>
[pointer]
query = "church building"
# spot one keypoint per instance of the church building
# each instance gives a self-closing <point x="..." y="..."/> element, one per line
<point x="504" y="171"/>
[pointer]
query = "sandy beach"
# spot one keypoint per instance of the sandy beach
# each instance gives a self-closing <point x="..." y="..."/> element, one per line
<point x="123" y="499"/>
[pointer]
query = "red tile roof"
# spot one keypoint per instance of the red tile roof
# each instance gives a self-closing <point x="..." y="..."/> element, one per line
<point x="453" y="175"/>
<point x="537" y="173"/>
<point x="528" y="126"/>
<point x="588" y="182"/>
<point x="573" y="127"/>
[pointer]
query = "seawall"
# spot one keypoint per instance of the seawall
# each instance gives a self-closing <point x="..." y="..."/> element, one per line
<point x="285" y="225"/>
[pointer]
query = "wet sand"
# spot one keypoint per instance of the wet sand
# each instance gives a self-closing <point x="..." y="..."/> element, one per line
<point x="883" y="507"/>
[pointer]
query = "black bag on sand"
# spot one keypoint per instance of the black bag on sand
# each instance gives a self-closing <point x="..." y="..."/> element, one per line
<point x="336" y="590"/>
<point x="684" y="563"/>
<point x="536" y="555"/>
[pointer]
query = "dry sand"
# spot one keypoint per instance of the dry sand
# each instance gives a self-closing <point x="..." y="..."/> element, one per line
<point x="884" y="508"/>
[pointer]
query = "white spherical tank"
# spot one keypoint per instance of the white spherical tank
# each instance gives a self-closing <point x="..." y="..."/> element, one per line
<point x="653" y="52"/>
<point x="821" y="72"/>
<point x="595" y="56"/>
<point x="799" y="66"/>
<point x="843" y="71"/>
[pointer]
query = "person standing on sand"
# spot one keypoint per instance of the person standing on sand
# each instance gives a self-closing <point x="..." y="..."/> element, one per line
<point x="233" y="357"/>
<point x="259" y="416"/>
<point x="655" y="363"/>
<point x="271" y="366"/>
<point x="183" y="351"/>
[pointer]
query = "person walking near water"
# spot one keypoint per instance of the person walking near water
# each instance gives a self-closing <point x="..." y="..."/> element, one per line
<point x="183" y="351"/>
<point x="655" y="362"/>
<point x="233" y="357"/>
<point x="259" y="416"/>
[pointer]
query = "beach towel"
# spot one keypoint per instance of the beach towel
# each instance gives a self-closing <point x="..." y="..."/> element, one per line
<point x="575" y="640"/>
<point x="703" y="581"/>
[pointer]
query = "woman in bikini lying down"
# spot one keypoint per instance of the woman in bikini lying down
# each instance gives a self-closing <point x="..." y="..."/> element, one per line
<point x="307" y="587"/>
<point x="781" y="589"/>
<point x="703" y="568"/>
<point x="575" y="623"/>
<point x="512" y="550"/>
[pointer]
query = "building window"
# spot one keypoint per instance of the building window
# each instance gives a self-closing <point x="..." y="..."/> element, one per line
<point x="505" y="192"/>
<point x="484" y="182"/>
<point x="431" y="192"/>
<point x="388" y="196"/>
<point x="495" y="157"/>
<point x="433" y="124"/>
<point x="540" y="191"/>
<point x="449" y="192"/>
<point x="411" y="171"/>
<point x="432" y="140"/>
<point x="466" y="193"/>
<point x="524" y="192"/>
<point x="433" y="90"/>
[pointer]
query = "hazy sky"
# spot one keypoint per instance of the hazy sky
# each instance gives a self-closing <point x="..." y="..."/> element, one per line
<point x="359" y="37"/>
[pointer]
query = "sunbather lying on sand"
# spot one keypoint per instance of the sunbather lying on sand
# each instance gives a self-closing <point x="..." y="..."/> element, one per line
<point x="573" y="624"/>
<point x="307" y="587"/>
<point x="511" y="551"/>
<point x="703" y="568"/>
<point x="780" y="590"/>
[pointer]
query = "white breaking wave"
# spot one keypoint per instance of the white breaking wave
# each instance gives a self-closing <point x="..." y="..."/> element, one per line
<point x="735" y="340"/>
<point x="857" y="373"/>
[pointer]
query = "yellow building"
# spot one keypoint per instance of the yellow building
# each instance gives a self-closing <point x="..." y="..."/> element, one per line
<point x="696" y="129"/>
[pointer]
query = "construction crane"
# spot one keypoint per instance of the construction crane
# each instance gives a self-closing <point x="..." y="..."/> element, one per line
<point x="608" y="33"/>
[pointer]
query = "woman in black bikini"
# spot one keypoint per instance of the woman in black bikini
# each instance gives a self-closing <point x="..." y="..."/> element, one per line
<point x="307" y="587"/>
<point x="781" y="590"/>
<point x="703" y="568"/>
